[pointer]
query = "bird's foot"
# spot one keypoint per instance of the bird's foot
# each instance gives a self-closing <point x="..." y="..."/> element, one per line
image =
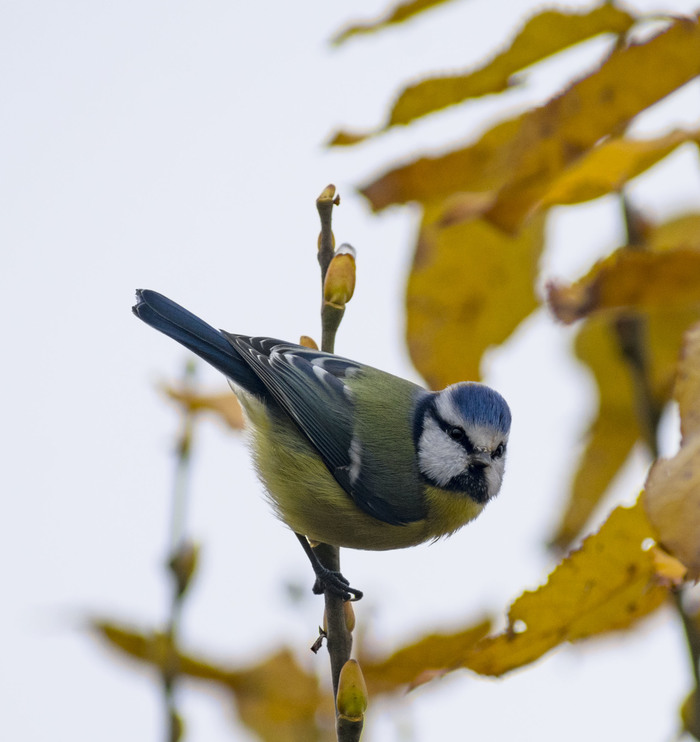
<point x="335" y="583"/>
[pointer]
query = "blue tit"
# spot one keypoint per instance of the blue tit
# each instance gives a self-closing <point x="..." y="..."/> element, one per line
<point x="350" y="455"/>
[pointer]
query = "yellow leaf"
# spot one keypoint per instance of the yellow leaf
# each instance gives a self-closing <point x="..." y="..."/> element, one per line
<point x="687" y="389"/>
<point x="554" y="136"/>
<point x="612" y="434"/>
<point x="669" y="571"/>
<point x="470" y="286"/>
<point x="225" y="406"/>
<point x="276" y="698"/>
<point x="682" y="232"/>
<point x="616" y="427"/>
<point x="544" y="34"/>
<point x="691" y="723"/>
<point x="607" y="584"/>
<point x="399" y="14"/>
<point x="482" y="166"/>
<point x="415" y="663"/>
<point x="672" y="499"/>
<point x="631" y="279"/>
<point x="523" y="157"/>
<point x="344" y="138"/>
<point x="672" y="494"/>
<point x="607" y="167"/>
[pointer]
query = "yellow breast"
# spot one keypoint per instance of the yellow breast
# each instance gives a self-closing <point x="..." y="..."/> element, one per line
<point x="310" y="501"/>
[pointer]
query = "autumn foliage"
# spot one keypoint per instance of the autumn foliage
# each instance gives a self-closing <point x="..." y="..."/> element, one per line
<point x="486" y="203"/>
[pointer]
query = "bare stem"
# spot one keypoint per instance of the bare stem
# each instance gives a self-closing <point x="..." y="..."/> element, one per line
<point x="338" y="637"/>
<point x="326" y="241"/>
<point x="631" y="330"/>
<point x="180" y="565"/>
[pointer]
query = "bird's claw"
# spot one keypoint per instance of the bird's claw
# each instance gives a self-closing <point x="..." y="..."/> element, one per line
<point x="335" y="583"/>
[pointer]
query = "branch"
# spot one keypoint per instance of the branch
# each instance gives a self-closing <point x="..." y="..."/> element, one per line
<point x="339" y="619"/>
<point x="631" y="331"/>
<point x="181" y="565"/>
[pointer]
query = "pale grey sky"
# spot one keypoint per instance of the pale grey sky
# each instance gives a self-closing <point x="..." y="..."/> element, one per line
<point x="177" y="146"/>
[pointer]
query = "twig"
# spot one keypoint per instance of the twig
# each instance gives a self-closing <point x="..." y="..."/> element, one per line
<point x="338" y="636"/>
<point x="326" y="241"/>
<point x="181" y="564"/>
<point x="631" y="331"/>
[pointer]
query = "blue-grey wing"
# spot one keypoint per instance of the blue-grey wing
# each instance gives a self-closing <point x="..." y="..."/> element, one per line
<point x="310" y="386"/>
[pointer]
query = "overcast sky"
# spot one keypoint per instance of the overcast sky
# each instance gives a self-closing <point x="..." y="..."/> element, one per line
<point x="178" y="146"/>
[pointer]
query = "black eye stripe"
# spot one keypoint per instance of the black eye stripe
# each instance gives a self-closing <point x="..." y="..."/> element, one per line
<point x="448" y="429"/>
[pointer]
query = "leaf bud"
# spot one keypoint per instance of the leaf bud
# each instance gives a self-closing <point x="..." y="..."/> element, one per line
<point x="339" y="284"/>
<point x="352" y="692"/>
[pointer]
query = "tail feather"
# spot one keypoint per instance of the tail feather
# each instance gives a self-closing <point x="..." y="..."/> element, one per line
<point x="176" y="322"/>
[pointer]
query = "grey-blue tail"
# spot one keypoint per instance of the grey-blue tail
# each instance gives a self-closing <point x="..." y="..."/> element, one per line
<point x="176" y="322"/>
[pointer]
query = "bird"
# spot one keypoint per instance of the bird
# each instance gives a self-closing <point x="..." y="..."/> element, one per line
<point x="350" y="455"/>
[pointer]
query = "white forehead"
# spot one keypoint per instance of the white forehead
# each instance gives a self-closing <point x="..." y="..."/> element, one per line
<point x="448" y="410"/>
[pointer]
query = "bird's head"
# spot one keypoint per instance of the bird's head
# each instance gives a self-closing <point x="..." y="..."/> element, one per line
<point x="461" y="435"/>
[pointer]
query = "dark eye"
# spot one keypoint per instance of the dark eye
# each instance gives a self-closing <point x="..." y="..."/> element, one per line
<point x="456" y="433"/>
<point x="500" y="450"/>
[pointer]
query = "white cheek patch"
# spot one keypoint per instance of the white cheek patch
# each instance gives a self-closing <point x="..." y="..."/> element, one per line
<point x="439" y="457"/>
<point x="494" y="477"/>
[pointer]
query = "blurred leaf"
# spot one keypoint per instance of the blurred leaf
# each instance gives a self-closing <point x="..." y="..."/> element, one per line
<point x="225" y="406"/>
<point x="687" y="388"/>
<point x="606" y="585"/>
<point x="523" y="157"/>
<point x="691" y="723"/>
<point x="631" y="279"/>
<point x="347" y="138"/>
<point x="554" y="136"/>
<point x="482" y="166"/>
<point x="399" y="14"/>
<point x="276" y="698"/>
<point x="612" y="434"/>
<point x="669" y="570"/>
<point x="469" y="288"/>
<point x="672" y="499"/>
<point x="607" y="167"/>
<point x="544" y="34"/>
<point x="681" y="232"/>
<point x="421" y="661"/>
<point x="616" y="428"/>
<point x="672" y="494"/>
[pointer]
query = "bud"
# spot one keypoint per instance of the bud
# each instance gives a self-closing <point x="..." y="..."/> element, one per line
<point x="308" y="342"/>
<point x="352" y="692"/>
<point x="339" y="285"/>
<point x="349" y="616"/>
<point x="183" y="564"/>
